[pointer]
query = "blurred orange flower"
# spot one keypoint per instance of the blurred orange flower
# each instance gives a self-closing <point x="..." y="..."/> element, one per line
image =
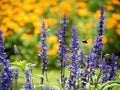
<point x="81" y="5"/>
<point x="118" y="31"/>
<point x="104" y="40"/>
<point x="26" y="36"/>
<point x="52" y="39"/>
<point x="82" y="12"/>
<point x="111" y="23"/>
<point x="65" y="7"/>
<point x="118" y="25"/>
<point x="89" y="41"/>
<point x="109" y="7"/>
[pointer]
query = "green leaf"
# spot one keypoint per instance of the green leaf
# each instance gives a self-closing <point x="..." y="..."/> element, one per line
<point x="112" y="85"/>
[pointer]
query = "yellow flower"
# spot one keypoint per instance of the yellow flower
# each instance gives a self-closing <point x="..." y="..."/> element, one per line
<point x="117" y="2"/>
<point x="81" y="5"/>
<point x="104" y="40"/>
<point x="50" y="21"/>
<point x="37" y="31"/>
<point x="52" y="52"/>
<point x="82" y="12"/>
<point x="88" y="25"/>
<point x="52" y="39"/>
<point x="56" y="46"/>
<point x="38" y="11"/>
<point x="116" y="16"/>
<point x="111" y="23"/>
<point x="52" y="2"/>
<point x="118" y="25"/>
<point x="26" y="36"/>
<point x="65" y="7"/>
<point x="89" y="41"/>
<point x="109" y="7"/>
<point x="38" y="49"/>
<point x="118" y="31"/>
<point x="54" y="11"/>
<point x="97" y="14"/>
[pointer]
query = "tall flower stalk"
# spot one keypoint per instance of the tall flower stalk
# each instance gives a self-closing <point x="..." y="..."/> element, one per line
<point x="6" y="74"/>
<point x="74" y="67"/>
<point x="43" y="53"/>
<point x="62" y="49"/>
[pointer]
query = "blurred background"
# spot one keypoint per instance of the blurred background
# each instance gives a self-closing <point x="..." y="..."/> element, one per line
<point x="20" y="22"/>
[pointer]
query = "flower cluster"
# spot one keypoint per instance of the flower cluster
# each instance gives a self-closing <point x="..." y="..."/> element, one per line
<point x="28" y="85"/>
<point x="62" y="48"/>
<point x="6" y="73"/>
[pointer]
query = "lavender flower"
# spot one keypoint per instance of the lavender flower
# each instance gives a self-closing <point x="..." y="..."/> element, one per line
<point x="43" y="53"/>
<point x="47" y="86"/>
<point x="15" y="74"/>
<point x="28" y="85"/>
<point x="16" y="49"/>
<point x="62" y="49"/>
<point x="113" y="67"/>
<point x="105" y="68"/>
<point x="96" y="52"/>
<point x="74" y="67"/>
<point x="6" y="74"/>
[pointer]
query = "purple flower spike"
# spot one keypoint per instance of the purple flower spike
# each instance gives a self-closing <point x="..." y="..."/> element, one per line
<point x="6" y="73"/>
<point x="28" y="85"/>
<point x="16" y="73"/>
<point x="62" y="49"/>
<point x="94" y="57"/>
<point x="43" y="54"/>
<point x="113" y="67"/>
<point x="74" y="67"/>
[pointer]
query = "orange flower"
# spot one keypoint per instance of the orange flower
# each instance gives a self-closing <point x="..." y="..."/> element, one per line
<point x="50" y="21"/>
<point x="118" y="25"/>
<point x="89" y="41"/>
<point x="52" y="52"/>
<point x="65" y="7"/>
<point x="52" y="39"/>
<point x="26" y="36"/>
<point x="117" y="31"/>
<point x="117" y="2"/>
<point x="54" y="10"/>
<point x="116" y="16"/>
<point x="109" y="7"/>
<point x="56" y="46"/>
<point x="82" y="12"/>
<point x="88" y="25"/>
<point x="111" y="23"/>
<point x="81" y="5"/>
<point x="104" y="40"/>
<point x="97" y="14"/>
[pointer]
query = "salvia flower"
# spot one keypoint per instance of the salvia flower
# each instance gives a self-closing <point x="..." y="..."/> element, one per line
<point x="113" y="67"/>
<point x="16" y="49"/>
<point x="15" y="74"/>
<point x="6" y="73"/>
<point x="105" y="68"/>
<point x="96" y="52"/>
<point x="74" y="67"/>
<point x="62" y="48"/>
<point x="43" y="54"/>
<point x="28" y="85"/>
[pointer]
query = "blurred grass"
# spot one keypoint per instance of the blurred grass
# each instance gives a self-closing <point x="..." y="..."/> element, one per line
<point x="53" y="75"/>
